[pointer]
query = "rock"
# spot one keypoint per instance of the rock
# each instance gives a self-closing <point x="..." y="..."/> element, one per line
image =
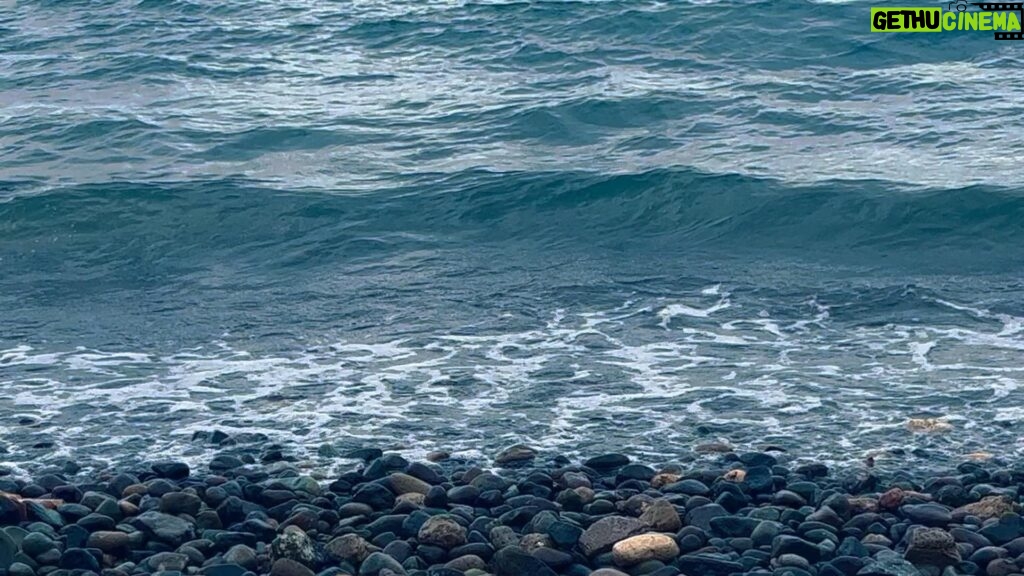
<point x="379" y="563"/>
<point x="928" y="425"/>
<point x="927" y="514"/>
<point x="689" y="487"/>
<point x="7" y="550"/>
<point x="664" y="479"/>
<point x="603" y="534"/>
<point x="734" y="526"/>
<point x="737" y="475"/>
<point x="1009" y="527"/>
<point x="438" y="456"/>
<point x="374" y="495"/>
<point x="794" y="545"/>
<point x="637" y="549"/>
<point x="712" y="448"/>
<point x="19" y="569"/>
<point x="78" y="559"/>
<point x="890" y="565"/>
<point x="164" y="527"/>
<point x="171" y="470"/>
<point x="36" y="543"/>
<point x="405" y="484"/>
<point x="986" y="508"/>
<point x="701" y="516"/>
<point x="891" y="499"/>
<point x="293" y="544"/>
<point x="708" y="565"/>
<point x="110" y="542"/>
<point x="12" y="510"/>
<point x="932" y="546"/>
<point x="531" y="542"/>
<point x="788" y="499"/>
<point x="752" y="459"/>
<point x="517" y="454"/>
<point x="1001" y="567"/>
<point x="661" y="516"/>
<point x="350" y="548"/>
<point x="442" y="531"/>
<point x="765" y="533"/>
<point x="180" y="503"/>
<point x="242" y="555"/>
<point x="607" y="462"/>
<point x="467" y="562"/>
<point x="167" y="561"/>
<point x="514" y="561"/>
<point x="289" y="567"/>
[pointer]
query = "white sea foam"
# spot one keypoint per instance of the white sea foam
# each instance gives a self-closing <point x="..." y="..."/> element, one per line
<point x="642" y="374"/>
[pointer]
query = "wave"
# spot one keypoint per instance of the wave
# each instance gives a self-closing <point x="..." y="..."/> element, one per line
<point x="675" y="210"/>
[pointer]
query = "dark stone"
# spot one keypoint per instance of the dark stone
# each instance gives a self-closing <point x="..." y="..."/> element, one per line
<point x="43" y="514"/>
<point x="34" y="544"/>
<point x="514" y="561"/>
<point x="851" y="546"/>
<point x="634" y="472"/>
<point x="225" y="463"/>
<point x="1009" y="527"/>
<point x="164" y="527"/>
<point x="794" y="545"/>
<point x="437" y="497"/>
<point x="708" y="565"/>
<point x="8" y="549"/>
<point x="79" y="559"/>
<point x="554" y="558"/>
<point x="364" y="454"/>
<point x="463" y="495"/>
<point x="564" y="535"/>
<point x="289" y="567"/>
<point x="689" y="487"/>
<point x="847" y="565"/>
<point x="758" y="459"/>
<point x="94" y="522"/>
<point x="374" y="495"/>
<point x="171" y="470"/>
<point x="812" y="470"/>
<point x="515" y="455"/>
<point x="424" y="472"/>
<point x="935" y="515"/>
<point x="888" y="565"/>
<point x="607" y="462"/>
<point x="73" y="512"/>
<point x="223" y="570"/>
<point x="759" y="480"/>
<point x="604" y="533"/>
<point x="701" y="516"/>
<point x="733" y="526"/>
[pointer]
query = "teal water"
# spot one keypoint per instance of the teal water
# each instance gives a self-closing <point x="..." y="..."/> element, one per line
<point x="587" y="226"/>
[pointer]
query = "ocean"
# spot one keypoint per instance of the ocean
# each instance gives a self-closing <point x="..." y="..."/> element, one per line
<point x="586" y="226"/>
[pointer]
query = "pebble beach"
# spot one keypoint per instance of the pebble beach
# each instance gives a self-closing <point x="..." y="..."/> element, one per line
<point x="521" y="514"/>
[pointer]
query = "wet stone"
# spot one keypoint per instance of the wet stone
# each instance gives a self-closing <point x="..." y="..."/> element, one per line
<point x="603" y="534"/>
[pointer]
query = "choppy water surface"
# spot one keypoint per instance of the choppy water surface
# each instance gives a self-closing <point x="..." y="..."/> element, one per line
<point x="587" y="226"/>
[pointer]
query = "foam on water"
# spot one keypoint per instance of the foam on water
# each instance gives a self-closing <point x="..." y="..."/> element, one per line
<point x="644" y="374"/>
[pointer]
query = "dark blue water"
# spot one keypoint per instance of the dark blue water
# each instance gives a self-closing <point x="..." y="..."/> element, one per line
<point x="586" y="226"/>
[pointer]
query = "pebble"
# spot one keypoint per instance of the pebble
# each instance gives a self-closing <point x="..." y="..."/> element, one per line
<point x="607" y="516"/>
<point x="644" y="547"/>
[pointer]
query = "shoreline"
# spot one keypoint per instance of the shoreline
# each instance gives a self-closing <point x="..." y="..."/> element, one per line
<point x="736" y="513"/>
